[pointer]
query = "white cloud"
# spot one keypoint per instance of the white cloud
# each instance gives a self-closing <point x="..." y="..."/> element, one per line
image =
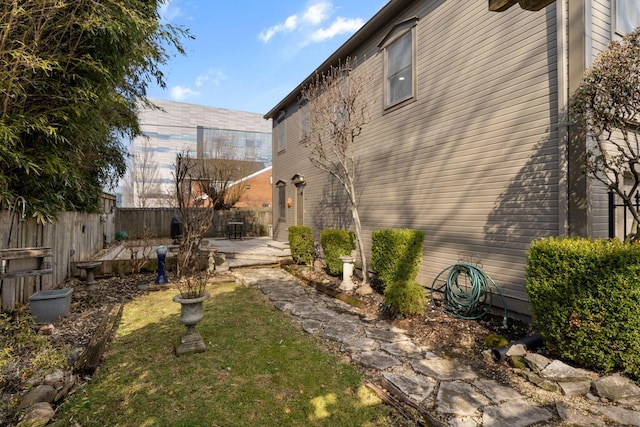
<point x="168" y="11"/>
<point x="213" y="77"/>
<point x="307" y="23"/>
<point x="339" y="26"/>
<point x="182" y="93"/>
<point x="317" y="13"/>
<point x="290" y="24"/>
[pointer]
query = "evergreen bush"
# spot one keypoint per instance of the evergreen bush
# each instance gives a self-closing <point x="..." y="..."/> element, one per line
<point x="585" y="300"/>
<point x="335" y="243"/>
<point x="395" y="257"/>
<point x="396" y="254"/>
<point x="301" y="244"/>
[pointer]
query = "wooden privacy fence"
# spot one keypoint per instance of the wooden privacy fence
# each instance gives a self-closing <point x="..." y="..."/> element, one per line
<point x="157" y="221"/>
<point x="38" y="256"/>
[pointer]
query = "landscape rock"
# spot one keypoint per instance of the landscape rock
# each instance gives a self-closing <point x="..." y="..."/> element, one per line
<point x="575" y="388"/>
<point x="43" y="393"/>
<point x="416" y="387"/>
<point x="514" y="414"/>
<point x="559" y="371"/>
<point x="517" y="350"/>
<point x="54" y="378"/>
<point x="38" y="415"/>
<point x="459" y="398"/>
<point x="540" y="382"/>
<point x="496" y="392"/>
<point x="537" y="362"/>
<point x="616" y="388"/>
<point x="402" y="349"/>
<point x="621" y="415"/>
<point x="444" y="369"/>
<point x="376" y="360"/>
<point x="575" y="418"/>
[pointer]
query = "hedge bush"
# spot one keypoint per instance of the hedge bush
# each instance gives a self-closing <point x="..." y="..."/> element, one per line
<point x="301" y="244"/>
<point x="395" y="258"/>
<point x="585" y="300"/>
<point x="396" y="254"/>
<point x="335" y="243"/>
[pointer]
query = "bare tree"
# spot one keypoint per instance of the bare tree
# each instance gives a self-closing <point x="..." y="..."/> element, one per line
<point x="224" y="171"/>
<point x="196" y="217"/>
<point x="606" y="107"/>
<point x="338" y="111"/>
<point x="145" y="175"/>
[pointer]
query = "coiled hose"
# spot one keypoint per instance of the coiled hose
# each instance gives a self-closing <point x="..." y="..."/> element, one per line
<point x="467" y="292"/>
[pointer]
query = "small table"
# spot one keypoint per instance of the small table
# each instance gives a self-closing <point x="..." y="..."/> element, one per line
<point x="89" y="267"/>
<point x="235" y="229"/>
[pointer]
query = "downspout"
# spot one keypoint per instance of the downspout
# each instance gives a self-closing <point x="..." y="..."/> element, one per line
<point x="579" y="204"/>
<point x="562" y="118"/>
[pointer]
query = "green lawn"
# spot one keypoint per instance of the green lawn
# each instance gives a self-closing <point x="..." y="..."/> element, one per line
<point x="258" y="370"/>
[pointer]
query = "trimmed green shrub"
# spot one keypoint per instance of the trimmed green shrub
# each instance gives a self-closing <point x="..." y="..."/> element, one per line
<point x="395" y="257"/>
<point x="301" y="244"/>
<point x="585" y="300"/>
<point x="405" y="298"/>
<point x="396" y="254"/>
<point x="335" y="243"/>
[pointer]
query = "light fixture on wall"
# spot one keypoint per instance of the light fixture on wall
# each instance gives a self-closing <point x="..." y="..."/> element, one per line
<point x="298" y="180"/>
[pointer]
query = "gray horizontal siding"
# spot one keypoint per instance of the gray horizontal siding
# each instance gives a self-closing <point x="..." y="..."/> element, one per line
<point x="473" y="161"/>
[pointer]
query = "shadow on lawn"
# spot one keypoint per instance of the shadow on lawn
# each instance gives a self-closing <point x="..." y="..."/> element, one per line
<point x="258" y="369"/>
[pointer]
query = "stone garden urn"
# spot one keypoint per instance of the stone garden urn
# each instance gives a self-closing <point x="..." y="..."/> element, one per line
<point x="191" y="312"/>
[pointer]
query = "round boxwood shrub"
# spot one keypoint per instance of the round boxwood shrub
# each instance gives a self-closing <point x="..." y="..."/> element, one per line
<point x="301" y="244"/>
<point x="336" y="243"/>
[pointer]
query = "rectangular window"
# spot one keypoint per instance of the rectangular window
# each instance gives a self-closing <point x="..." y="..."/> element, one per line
<point x="280" y="136"/>
<point x="282" y="202"/>
<point x="399" y="63"/>
<point x="627" y="16"/>
<point x="303" y="113"/>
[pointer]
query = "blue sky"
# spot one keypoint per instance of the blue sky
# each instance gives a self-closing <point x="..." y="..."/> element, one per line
<point x="249" y="54"/>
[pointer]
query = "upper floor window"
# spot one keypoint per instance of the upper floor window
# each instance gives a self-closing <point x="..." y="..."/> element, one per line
<point x="627" y="16"/>
<point x="399" y="63"/>
<point x="279" y="123"/>
<point x="303" y="117"/>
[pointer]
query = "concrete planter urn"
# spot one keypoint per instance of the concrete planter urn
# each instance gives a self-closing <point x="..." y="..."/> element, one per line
<point x="191" y="312"/>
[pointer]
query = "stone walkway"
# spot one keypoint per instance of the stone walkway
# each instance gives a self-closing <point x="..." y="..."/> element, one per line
<point x="451" y="391"/>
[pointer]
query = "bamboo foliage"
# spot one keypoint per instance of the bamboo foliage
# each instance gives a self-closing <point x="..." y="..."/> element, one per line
<point x="71" y="76"/>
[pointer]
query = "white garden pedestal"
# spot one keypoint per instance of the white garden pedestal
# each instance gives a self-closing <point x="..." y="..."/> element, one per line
<point x="347" y="272"/>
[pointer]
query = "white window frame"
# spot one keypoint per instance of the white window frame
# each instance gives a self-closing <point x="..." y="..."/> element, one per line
<point x="400" y="32"/>
<point x="625" y="8"/>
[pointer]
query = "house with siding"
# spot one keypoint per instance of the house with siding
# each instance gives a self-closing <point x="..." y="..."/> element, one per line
<point x="468" y="139"/>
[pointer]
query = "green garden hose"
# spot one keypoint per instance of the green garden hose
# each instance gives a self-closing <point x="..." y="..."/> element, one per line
<point x="467" y="292"/>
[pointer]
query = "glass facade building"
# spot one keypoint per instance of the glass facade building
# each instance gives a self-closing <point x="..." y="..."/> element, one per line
<point x="203" y="132"/>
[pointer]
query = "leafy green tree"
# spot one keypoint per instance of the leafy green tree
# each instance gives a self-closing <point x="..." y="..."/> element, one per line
<point x="71" y="75"/>
<point x="606" y="107"/>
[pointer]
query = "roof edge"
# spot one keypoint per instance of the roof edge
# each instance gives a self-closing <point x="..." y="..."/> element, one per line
<point x="381" y="18"/>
